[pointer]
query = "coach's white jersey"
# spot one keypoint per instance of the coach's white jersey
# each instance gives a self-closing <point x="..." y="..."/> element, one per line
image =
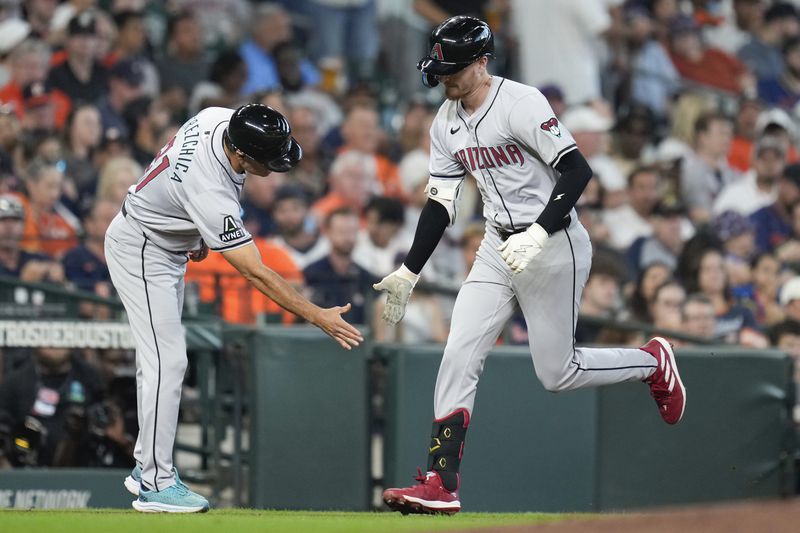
<point x="510" y="145"/>
<point x="190" y="191"/>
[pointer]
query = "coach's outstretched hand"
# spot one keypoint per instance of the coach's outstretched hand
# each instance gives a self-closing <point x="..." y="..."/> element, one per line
<point x="519" y="249"/>
<point x="398" y="286"/>
<point x="331" y="322"/>
<point x="247" y="260"/>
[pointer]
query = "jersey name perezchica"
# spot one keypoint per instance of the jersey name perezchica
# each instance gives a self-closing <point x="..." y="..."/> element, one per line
<point x="510" y="144"/>
<point x="190" y="191"/>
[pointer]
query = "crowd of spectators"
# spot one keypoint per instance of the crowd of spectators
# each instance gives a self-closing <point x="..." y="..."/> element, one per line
<point x="687" y="111"/>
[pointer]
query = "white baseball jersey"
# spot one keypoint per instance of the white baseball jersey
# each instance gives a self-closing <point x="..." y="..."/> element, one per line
<point x="510" y="144"/>
<point x="190" y="191"/>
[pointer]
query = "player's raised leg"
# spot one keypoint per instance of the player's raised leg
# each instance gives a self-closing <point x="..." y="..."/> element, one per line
<point x="483" y="306"/>
<point x="549" y="292"/>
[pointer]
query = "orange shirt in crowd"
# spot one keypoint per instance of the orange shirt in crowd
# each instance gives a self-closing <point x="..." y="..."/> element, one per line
<point x="741" y="154"/>
<point x="11" y="93"/>
<point x="389" y="176"/>
<point x="330" y="203"/>
<point x="715" y="69"/>
<point x="58" y="57"/>
<point x="49" y="233"/>
<point x="240" y="301"/>
<point x="704" y="17"/>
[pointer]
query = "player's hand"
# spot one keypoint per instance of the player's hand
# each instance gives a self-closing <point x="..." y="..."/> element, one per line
<point x="398" y="286"/>
<point x="200" y="254"/>
<point x="519" y="249"/>
<point x="331" y="322"/>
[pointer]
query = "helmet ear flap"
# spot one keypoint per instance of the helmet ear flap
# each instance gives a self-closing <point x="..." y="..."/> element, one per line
<point x="430" y="80"/>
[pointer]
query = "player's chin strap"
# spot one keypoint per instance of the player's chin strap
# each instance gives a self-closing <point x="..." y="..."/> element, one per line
<point x="447" y="447"/>
<point x="430" y="80"/>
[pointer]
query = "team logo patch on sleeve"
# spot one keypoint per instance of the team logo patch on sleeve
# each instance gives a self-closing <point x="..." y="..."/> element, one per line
<point x="551" y="126"/>
<point x="230" y="231"/>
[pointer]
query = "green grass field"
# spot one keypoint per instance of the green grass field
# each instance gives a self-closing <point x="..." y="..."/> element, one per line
<point x="241" y="521"/>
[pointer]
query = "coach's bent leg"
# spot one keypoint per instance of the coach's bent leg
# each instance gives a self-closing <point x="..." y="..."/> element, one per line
<point x="148" y="281"/>
<point x="549" y="292"/>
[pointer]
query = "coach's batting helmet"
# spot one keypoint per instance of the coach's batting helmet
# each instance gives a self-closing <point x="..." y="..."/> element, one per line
<point x="454" y="44"/>
<point x="264" y="135"/>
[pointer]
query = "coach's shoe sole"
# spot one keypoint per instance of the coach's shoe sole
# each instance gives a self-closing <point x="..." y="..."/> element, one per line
<point x="132" y="485"/>
<point x="157" y="507"/>
<point x="412" y="505"/>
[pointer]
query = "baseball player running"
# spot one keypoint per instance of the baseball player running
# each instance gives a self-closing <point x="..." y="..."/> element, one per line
<point x="187" y="202"/>
<point x="534" y="253"/>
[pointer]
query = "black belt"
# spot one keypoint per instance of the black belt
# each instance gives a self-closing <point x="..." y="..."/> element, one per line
<point x="505" y="234"/>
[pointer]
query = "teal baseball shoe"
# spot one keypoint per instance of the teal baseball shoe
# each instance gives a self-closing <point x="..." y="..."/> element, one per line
<point x="134" y="480"/>
<point x="175" y="499"/>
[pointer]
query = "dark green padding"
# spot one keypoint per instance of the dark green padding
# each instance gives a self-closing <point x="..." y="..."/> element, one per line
<point x="605" y="448"/>
<point x="308" y="410"/>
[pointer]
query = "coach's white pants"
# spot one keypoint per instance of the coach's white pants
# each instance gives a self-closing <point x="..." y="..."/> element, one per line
<point x="549" y="294"/>
<point x="150" y="284"/>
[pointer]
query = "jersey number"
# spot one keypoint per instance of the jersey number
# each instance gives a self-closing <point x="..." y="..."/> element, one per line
<point x="153" y="171"/>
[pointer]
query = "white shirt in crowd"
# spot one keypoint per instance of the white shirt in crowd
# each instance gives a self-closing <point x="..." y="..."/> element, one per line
<point x="305" y="258"/>
<point x="744" y="197"/>
<point x="377" y="261"/>
<point x="726" y="36"/>
<point x="625" y="225"/>
<point x="608" y="172"/>
<point x="559" y="43"/>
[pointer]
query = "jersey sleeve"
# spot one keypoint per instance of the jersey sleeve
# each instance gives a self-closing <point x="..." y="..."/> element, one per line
<point x="443" y="164"/>
<point x="218" y="217"/>
<point x="533" y="122"/>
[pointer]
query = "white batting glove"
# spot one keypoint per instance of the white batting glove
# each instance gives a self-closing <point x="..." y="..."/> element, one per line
<point x="519" y="249"/>
<point x="398" y="286"/>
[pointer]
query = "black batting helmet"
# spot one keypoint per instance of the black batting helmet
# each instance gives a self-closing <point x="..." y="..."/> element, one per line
<point x="454" y="44"/>
<point x="264" y="135"/>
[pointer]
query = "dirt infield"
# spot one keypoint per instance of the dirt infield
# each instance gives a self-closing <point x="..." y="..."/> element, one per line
<point x="749" y="517"/>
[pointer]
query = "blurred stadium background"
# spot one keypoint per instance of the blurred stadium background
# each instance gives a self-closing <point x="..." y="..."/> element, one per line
<point x="686" y="110"/>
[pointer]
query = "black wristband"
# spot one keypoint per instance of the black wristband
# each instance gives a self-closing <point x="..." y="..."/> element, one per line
<point x="433" y="220"/>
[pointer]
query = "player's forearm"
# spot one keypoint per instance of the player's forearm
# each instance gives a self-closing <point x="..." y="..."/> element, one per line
<point x="575" y="174"/>
<point x="277" y="289"/>
<point x="432" y="222"/>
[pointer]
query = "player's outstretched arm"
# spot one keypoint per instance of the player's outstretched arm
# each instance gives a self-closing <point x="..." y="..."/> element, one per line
<point x="398" y="285"/>
<point x="247" y="261"/>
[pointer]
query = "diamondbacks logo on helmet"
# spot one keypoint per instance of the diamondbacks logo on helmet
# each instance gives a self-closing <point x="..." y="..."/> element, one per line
<point x="436" y="52"/>
<point x="551" y="126"/>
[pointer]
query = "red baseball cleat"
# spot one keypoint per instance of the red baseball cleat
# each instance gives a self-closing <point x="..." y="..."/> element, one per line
<point x="427" y="497"/>
<point x="666" y="386"/>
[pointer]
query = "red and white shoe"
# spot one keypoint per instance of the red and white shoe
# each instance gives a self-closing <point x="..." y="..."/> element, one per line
<point x="427" y="497"/>
<point x="666" y="386"/>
